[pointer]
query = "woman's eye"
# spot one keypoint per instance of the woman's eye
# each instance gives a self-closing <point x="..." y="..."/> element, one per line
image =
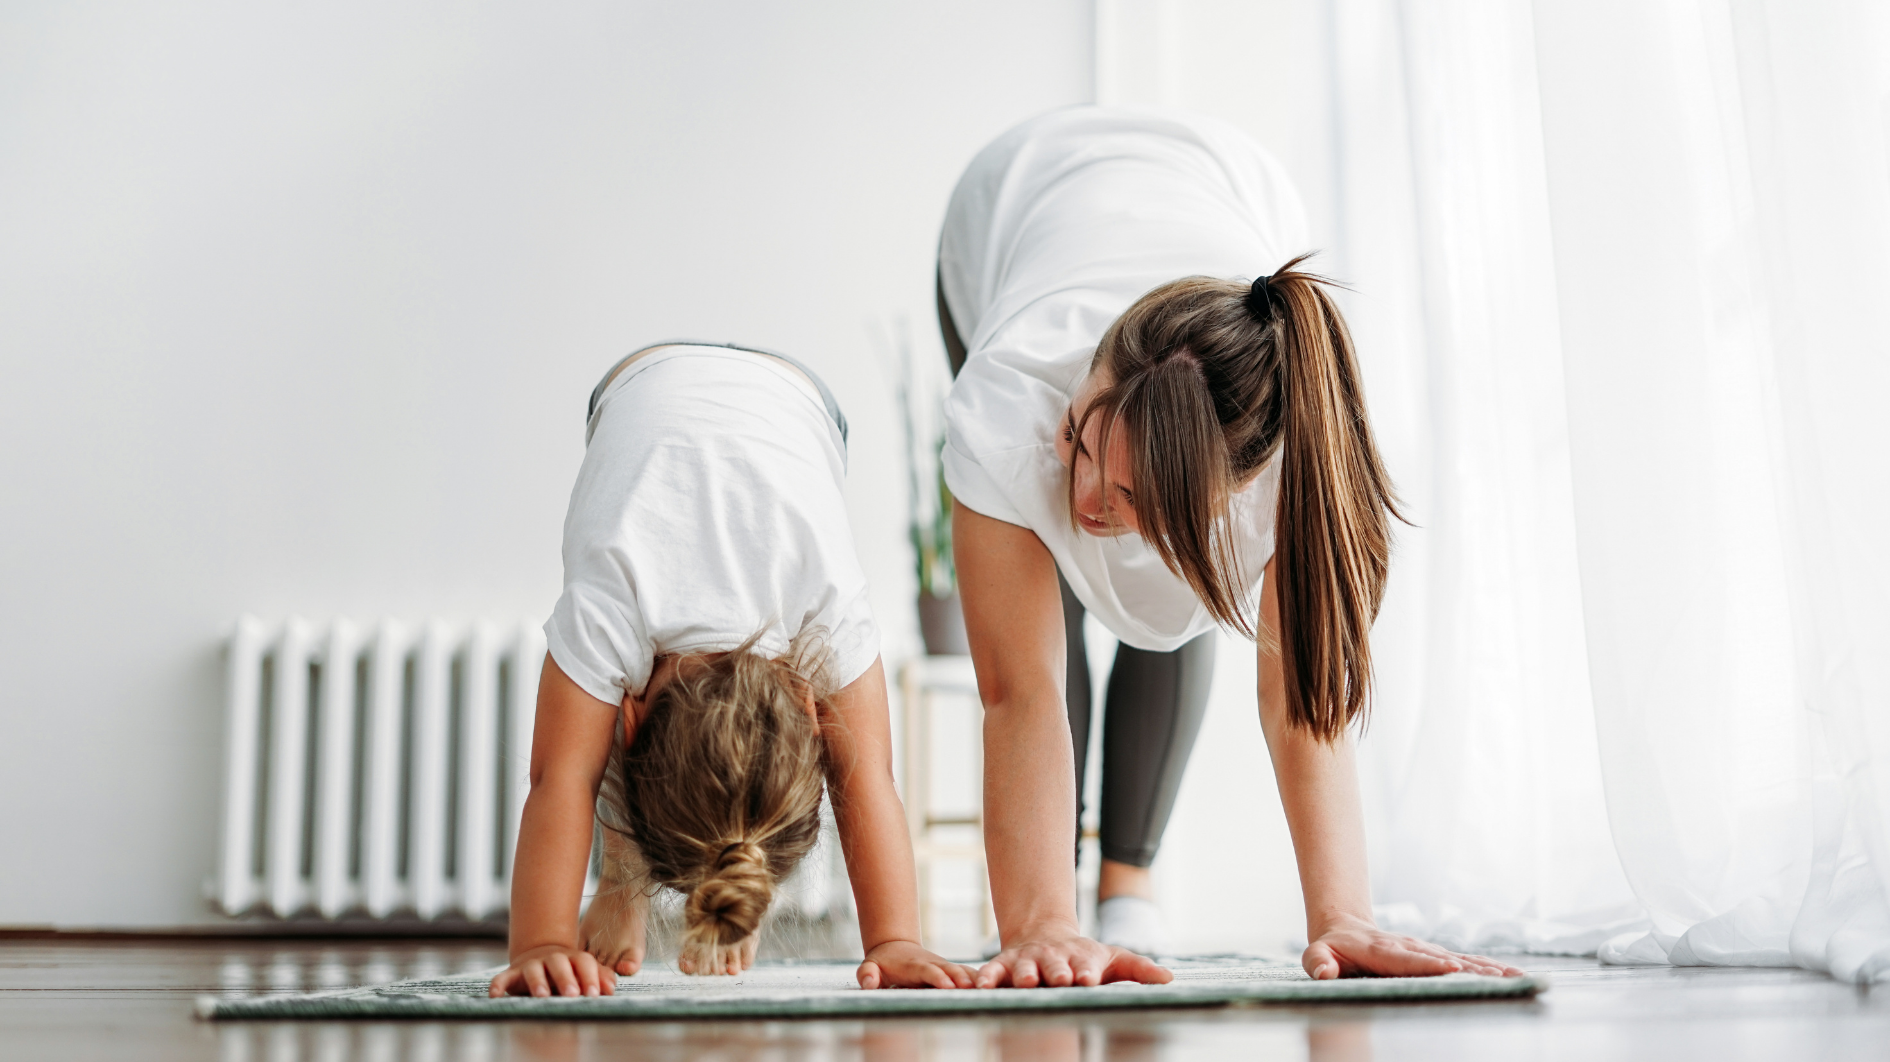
<point x="1068" y="434"/>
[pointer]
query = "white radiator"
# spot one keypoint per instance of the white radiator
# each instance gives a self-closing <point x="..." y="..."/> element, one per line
<point x="377" y="769"/>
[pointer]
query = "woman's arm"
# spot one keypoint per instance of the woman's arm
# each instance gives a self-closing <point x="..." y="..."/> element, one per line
<point x="571" y="738"/>
<point x="1319" y="790"/>
<point x="873" y="836"/>
<point x="1014" y="616"/>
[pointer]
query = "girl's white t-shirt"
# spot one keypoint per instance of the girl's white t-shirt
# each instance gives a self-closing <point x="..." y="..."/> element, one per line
<point x="1054" y="230"/>
<point x="708" y="509"/>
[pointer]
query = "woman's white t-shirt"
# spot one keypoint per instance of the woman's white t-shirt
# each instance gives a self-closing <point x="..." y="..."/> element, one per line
<point x="708" y="509"/>
<point x="1054" y="230"/>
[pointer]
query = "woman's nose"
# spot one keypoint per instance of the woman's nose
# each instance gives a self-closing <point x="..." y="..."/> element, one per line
<point x="1088" y="498"/>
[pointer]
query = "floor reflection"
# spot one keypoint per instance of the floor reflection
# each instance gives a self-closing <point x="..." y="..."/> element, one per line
<point x="1116" y="1038"/>
<point x="301" y="968"/>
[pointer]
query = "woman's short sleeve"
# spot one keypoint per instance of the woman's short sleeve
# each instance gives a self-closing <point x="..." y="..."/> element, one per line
<point x="972" y="484"/>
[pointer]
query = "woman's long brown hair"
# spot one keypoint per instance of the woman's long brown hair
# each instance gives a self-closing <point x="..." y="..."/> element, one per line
<point x="1210" y="379"/>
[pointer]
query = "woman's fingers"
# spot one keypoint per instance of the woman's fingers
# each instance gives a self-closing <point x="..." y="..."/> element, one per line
<point x="1077" y="963"/>
<point x="992" y="974"/>
<point x="1373" y="953"/>
<point x="1126" y="965"/>
<point x="1320" y="962"/>
<point x="1483" y="964"/>
<point x="1507" y="969"/>
<point x="1400" y="958"/>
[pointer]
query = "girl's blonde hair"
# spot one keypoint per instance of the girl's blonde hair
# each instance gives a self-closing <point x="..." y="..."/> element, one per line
<point x="722" y="783"/>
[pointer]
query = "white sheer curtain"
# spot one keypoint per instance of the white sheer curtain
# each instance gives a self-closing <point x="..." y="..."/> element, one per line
<point x="1489" y="825"/>
<point x="1623" y="269"/>
<point x="1622" y="274"/>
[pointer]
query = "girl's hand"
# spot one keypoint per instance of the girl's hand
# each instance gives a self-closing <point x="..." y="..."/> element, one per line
<point x="1356" y="948"/>
<point x="903" y="964"/>
<point x="729" y="959"/>
<point x="1064" y="958"/>
<point x="554" y="970"/>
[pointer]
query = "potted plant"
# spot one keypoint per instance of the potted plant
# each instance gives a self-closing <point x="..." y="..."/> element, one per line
<point x="941" y="619"/>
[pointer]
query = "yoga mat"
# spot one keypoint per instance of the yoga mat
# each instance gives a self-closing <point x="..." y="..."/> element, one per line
<point x="826" y="989"/>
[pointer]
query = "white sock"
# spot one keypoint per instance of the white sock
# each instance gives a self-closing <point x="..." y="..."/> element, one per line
<point x="1134" y="923"/>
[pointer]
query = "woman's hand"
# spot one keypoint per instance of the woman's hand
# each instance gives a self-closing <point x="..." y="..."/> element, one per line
<point x="1060" y="959"/>
<point x="1356" y="948"/>
<point x="729" y="959"/>
<point x="554" y="970"/>
<point x="903" y="964"/>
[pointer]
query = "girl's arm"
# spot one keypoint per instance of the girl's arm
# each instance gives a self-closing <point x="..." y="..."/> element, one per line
<point x="1319" y="790"/>
<point x="1014" y="616"/>
<point x="873" y="836"/>
<point x="571" y="738"/>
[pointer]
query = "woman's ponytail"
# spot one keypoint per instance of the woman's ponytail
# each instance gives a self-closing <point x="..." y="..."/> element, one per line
<point x="1332" y="533"/>
<point x="1211" y="379"/>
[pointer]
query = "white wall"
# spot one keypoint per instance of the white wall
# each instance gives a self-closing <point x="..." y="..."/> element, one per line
<point x="299" y="307"/>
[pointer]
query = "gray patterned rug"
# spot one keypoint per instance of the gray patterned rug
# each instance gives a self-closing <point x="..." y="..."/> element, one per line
<point x="826" y="989"/>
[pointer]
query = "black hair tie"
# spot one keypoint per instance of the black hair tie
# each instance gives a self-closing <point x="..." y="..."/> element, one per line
<point x="1260" y="298"/>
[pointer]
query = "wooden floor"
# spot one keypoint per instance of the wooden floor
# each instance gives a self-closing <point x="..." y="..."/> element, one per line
<point x="71" y="998"/>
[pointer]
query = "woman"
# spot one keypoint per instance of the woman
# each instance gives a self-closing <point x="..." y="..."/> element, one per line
<point x="1170" y="456"/>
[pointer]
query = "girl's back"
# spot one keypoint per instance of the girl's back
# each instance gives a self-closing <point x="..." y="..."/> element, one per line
<point x="708" y="508"/>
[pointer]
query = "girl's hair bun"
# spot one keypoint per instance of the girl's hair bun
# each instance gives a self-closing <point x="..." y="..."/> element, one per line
<point x="728" y="904"/>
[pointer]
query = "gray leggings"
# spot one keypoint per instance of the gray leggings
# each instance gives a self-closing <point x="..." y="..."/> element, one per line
<point x="1152" y="713"/>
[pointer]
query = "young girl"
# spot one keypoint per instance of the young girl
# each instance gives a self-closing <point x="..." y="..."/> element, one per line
<point x="711" y="660"/>
<point x="1169" y="455"/>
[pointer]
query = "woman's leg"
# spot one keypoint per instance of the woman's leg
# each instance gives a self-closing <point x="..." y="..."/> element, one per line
<point x="1076" y="694"/>
<point x="1151" y="717"/>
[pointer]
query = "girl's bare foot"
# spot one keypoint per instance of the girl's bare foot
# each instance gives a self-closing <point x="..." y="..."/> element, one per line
<point x="613" y="928"/>
<point x="722" y="959"/>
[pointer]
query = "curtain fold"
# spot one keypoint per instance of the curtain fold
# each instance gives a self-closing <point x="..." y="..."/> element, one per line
<point x="1487" y="817"/>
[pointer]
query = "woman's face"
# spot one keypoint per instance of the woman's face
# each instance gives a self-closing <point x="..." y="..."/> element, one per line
<point x="1104" y="498"/>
